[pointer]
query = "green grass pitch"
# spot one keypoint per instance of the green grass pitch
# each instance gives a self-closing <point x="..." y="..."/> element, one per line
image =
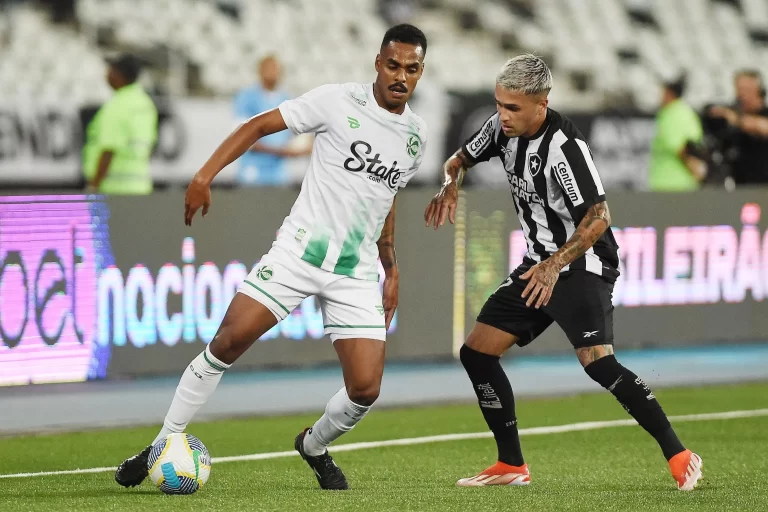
<point x="599" y="470"/>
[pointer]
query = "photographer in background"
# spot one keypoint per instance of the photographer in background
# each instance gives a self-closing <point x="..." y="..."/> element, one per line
<point x="747" y="129"/>
<point x="674" y="168"/>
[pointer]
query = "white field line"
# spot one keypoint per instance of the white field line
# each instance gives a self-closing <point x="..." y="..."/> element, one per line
<point x="556" y="429"/>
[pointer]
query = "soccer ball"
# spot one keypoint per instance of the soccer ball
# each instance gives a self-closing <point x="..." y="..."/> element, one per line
<point x="179" y="464"/>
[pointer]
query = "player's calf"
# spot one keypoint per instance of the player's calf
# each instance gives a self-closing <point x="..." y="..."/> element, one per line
<point x="341" y="415"/>
<point x="636" y="398"/>
<point x="245" y="321"/>
<point x="362" y="363"/>
<point x="496" y="401"/>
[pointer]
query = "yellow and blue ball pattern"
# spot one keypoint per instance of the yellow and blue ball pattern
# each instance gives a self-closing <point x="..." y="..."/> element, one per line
<point x="179" y="464"/>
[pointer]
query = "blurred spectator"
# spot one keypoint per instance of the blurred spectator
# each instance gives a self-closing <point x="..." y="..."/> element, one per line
<point x="62" y="11"/>
<point x="678" y="130"/>
<point x="120" y="137"/>
<point x="398" y="11"/>
<point x="748" y="123"/>
<point x="264" y="164"/>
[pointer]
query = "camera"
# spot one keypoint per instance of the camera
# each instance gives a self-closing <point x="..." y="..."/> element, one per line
<point x="719" y="147"/>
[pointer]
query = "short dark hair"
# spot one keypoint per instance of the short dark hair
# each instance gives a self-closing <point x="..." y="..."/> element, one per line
<point x="405" y="33"/>
<point x="128" y="65"/>
<point x="676" y="86"/>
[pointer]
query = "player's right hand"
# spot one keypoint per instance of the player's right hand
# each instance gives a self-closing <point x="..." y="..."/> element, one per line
<point x="198" y="195"/>
<point x="442" y="205"/>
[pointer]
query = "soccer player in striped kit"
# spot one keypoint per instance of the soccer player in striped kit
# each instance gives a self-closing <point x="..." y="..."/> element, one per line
<point x="566" y="277"/>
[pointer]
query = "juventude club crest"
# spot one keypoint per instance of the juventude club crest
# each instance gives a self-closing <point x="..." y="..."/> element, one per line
<point x="264" y="273"/>
<point x="412" y="146"/>
<point x="380" y="309"/>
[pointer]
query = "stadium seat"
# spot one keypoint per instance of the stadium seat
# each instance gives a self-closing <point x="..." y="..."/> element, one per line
<point x="611" y="47"/>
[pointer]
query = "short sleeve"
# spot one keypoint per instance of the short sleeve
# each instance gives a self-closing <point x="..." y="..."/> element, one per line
<point x="309" y="112"/>
<point x="577" y="175"/>
<point x="481" y="146"/>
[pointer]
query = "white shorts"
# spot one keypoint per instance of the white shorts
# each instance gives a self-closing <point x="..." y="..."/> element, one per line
<point x="352" y="308"/>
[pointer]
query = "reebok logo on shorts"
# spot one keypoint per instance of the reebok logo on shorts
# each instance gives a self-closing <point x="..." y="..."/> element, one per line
<point x="590" y="334"/>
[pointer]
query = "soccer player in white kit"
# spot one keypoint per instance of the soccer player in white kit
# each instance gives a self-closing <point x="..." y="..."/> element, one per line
<point x="368" y="144"/>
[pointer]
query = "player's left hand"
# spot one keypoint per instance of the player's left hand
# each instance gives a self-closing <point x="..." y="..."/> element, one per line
<point x="389" y="298"/>
<point x="543" y="277"/>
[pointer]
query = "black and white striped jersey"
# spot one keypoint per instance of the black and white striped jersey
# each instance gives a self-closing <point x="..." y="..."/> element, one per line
<point x="554" y="182"/>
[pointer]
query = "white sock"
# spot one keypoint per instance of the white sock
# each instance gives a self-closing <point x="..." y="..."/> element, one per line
<point x="198" y="382"/>
<point x="341" y="415"/>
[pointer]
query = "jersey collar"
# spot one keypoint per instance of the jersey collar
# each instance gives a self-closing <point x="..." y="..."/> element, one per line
<point x="543" y="128"/>
<point x="128" y="89"/>
<point x="382" y="112"/>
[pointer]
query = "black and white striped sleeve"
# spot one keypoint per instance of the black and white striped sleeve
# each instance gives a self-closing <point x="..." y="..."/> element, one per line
<point x="577" y="175"/>
<point x="482" y="146"/>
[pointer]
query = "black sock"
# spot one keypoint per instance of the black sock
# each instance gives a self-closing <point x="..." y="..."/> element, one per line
<point x="497" y="403"/>
<point x="638" y="400"/>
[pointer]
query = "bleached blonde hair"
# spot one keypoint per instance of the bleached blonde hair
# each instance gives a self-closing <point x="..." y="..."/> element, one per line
<point x="525" y="73"/>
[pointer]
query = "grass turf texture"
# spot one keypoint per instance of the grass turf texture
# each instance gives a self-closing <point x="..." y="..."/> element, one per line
<point x="607" y="470"/>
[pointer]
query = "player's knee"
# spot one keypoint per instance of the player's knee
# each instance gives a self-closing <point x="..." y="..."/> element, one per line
<point x="364" y="393"/>
<point x="468" y="356"/>
<point x="489" y="340"/>
<point x="227" y="346"/>
<point x="588" y="355"/>
<point x="222" y="345"/>
<point x="473" y="342"/>
<point x="606" y="371"/>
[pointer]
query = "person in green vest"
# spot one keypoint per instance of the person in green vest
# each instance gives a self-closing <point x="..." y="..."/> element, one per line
<point x="122" y="134"/>
<point x="678" y="127"/>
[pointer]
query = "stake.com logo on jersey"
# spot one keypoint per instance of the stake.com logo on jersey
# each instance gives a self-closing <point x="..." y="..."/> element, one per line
<point x="378" y="173"/>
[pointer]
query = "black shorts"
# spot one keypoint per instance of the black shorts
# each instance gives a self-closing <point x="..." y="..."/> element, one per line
<point x="580" y="304"/>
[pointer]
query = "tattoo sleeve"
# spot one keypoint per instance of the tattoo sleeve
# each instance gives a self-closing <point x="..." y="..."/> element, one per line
<point x="589" y="230"/>
<point x="454" y="164"/>
<point x="386" y="242"/>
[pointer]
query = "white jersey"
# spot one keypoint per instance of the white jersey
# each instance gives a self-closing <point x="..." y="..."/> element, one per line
<point x="362" y="155"/>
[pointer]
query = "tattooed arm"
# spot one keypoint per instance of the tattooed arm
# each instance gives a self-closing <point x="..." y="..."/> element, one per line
<point x="544" y="275"/>
<point x="589" y="231"/>
<point x="444" y="203"/>
<point x="455" y="166"/>
<point x="386" y="245"/>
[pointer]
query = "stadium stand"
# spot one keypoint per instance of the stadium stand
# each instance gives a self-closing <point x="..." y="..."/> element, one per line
<point x="605" y="53"/>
